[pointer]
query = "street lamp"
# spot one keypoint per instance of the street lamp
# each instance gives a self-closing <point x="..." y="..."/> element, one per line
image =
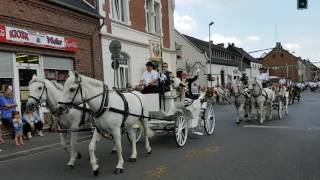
<point x="210" y="53"/>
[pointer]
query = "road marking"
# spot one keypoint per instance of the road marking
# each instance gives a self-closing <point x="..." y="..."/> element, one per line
<point x="282" y="127"/>
<point x="268" y="127"/>
<point x="203" y="152"/>
<point x="157" y="172"/>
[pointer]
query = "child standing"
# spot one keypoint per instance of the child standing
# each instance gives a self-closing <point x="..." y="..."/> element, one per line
<point x="17" y="123"/>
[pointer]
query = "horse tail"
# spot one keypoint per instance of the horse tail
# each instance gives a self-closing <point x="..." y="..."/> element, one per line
<point x="147" y="131"/>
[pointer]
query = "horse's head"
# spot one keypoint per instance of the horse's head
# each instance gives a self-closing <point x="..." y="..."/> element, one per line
<point x="37" y="93"/>
<point x="235" y="88"/>
<point x="73" y="93"/>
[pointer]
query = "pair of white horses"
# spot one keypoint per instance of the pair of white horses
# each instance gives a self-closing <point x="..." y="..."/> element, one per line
<point x="79" y="90"/>
<point x="256" y="102"/>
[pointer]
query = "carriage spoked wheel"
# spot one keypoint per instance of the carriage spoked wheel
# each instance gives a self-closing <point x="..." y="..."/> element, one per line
<point x="280" y="109"/>
<point x="181" y="130"/>
<point x="138" y="132"/>
<point x="209" y="119"/>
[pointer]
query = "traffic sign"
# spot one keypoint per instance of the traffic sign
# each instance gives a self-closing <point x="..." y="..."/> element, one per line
<point x="115" y="47"/>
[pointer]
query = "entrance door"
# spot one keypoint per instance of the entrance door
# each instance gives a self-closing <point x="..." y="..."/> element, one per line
<point x="25" y="76"/>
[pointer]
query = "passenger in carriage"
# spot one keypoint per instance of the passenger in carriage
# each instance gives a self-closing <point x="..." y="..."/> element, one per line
<point x="149" y="80"/>
<point x="165" y="78"/>
<point x="187" y="82"/>
<point x="263" y="77"/>
<point x="283" y="81"/>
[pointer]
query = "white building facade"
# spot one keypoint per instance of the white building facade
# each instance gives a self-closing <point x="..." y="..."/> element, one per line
<point x="142" y="27"/>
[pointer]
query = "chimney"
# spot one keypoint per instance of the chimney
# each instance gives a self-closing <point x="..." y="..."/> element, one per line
<point x="279" y="46"/>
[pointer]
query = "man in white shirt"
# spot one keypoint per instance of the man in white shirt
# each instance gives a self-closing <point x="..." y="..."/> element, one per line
<point x="263" y="77"/>
<point x="149" y="79"/>
<point x="283" y="81"/>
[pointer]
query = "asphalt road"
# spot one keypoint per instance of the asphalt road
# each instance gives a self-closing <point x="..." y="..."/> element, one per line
<point x="287" y="149"/>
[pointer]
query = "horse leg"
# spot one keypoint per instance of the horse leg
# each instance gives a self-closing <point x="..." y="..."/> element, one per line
<point x="269" y="110"/>
<point x="132" y="136"/>
<point x="240" y="114"/>
<point x="92" y="148"/>
<point x="63" y="142"/>
<point x="147" y="133"/>
<point x="117" y="139"/>
<point x="73" y="154"/>
<point x="261" y="113"/>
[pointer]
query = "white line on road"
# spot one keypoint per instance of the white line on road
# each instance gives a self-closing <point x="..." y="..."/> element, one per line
<point x="282" y="127"/>
<point x="268" y="127"/>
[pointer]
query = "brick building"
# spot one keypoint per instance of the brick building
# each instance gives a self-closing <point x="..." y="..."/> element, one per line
<point x="47" y="37"/>
<point x="142" y="27"/>
<point x="281" y="62"/>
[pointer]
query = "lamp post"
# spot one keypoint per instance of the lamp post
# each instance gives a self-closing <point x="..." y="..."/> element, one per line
<point x="210" y="52"/>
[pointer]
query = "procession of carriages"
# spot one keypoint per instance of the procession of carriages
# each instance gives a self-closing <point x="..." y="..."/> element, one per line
<point x="112" y="112"/>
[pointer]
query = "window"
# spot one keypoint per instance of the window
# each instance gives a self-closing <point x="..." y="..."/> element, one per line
<point x="123" y="72"/>
<point x="281" y="55"/>
<point x="120" y="10"/>
<point x="273" y="56"/>
<point x="153" y="16"/>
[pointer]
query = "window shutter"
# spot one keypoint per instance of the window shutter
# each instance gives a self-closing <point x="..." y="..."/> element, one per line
<point x="57" y="63"/>
<point x="6" y="65"/>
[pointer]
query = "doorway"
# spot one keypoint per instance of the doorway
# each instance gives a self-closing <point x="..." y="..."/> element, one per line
<point x="25" y="76"/>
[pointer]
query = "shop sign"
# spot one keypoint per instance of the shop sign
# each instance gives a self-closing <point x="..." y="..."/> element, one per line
<point x="32" y="38"/>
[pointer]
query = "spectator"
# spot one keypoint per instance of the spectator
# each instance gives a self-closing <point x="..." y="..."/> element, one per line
<point x="7" y="106"/>
<point x="17" y="124"/>
<point x="32" y="122"/>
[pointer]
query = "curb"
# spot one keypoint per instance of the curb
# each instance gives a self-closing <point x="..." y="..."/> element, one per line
<point x="36" y="150"/>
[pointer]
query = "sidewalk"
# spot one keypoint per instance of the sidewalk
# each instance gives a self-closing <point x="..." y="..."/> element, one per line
<point x="35" y="145"/>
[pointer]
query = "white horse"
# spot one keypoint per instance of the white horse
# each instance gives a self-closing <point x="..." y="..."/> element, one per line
<point x="283" y="94"/>
<point x="111" y="114"/>
<point x="44" y="91"/>
<point x="261" y="98"/>
<point x="242" y="98"/>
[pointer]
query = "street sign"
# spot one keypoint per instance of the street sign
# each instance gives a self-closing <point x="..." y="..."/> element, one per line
<point x="302" y="4"/>
<point x="115" y="47"/>
<point x="115" y="65"/>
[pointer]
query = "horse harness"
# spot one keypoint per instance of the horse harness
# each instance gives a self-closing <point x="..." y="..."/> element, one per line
<point x="104" y="106"/>
<point x="54" y="113"/>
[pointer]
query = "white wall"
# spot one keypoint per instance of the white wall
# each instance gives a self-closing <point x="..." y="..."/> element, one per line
<point x="191" y="55"/>
<point x="228" y="70"/>
<point x="139" y="56"/>
<point x="254" y="69"/>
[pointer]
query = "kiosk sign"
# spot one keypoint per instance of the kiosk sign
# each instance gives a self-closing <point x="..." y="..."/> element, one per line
<point x="32" y="38"/>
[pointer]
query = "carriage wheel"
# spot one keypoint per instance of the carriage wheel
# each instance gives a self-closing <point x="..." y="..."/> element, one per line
<point x="138" y="132"/>
<point x="280" y="109"/>
<point x="209" y="119"/>
<point x="181" y="130"/>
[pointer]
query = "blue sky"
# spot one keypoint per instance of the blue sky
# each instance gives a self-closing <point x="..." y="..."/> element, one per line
<point x="251" y="24"/>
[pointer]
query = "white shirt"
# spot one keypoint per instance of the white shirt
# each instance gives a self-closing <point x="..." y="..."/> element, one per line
<point x="282" y="81"/>
<point x="262" y="77"/>
<point x="147" y="77"/>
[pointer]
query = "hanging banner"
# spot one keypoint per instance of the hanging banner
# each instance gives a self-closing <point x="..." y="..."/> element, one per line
<point x="155" y="51"/>
<point x="20" y="36"/>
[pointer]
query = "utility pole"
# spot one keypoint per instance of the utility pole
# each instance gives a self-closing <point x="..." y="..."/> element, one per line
<point x="210" y="51"/>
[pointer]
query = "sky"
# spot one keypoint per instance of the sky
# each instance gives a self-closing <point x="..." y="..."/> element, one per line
<point x="252" y="24"/>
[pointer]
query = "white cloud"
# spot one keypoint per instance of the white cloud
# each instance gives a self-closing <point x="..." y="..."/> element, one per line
<point x="218" y="38"/>
<point x="254" y="38"/>
<point x="185" y="24"/>
<point x="292" y="46"/>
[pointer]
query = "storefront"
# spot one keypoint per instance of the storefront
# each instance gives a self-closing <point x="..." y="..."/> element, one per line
<point x="26" y="54"/>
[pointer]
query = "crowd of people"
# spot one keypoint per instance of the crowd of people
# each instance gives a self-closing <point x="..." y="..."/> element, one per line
<point x="22" y="126"/>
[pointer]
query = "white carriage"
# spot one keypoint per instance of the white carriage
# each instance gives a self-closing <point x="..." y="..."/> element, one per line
<point x="167" y="113"/>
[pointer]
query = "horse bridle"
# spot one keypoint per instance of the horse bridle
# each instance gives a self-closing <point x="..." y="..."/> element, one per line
<point x="260" y="91"/>
<point x="38" y="100"/>
<point x="103" y="106"/>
